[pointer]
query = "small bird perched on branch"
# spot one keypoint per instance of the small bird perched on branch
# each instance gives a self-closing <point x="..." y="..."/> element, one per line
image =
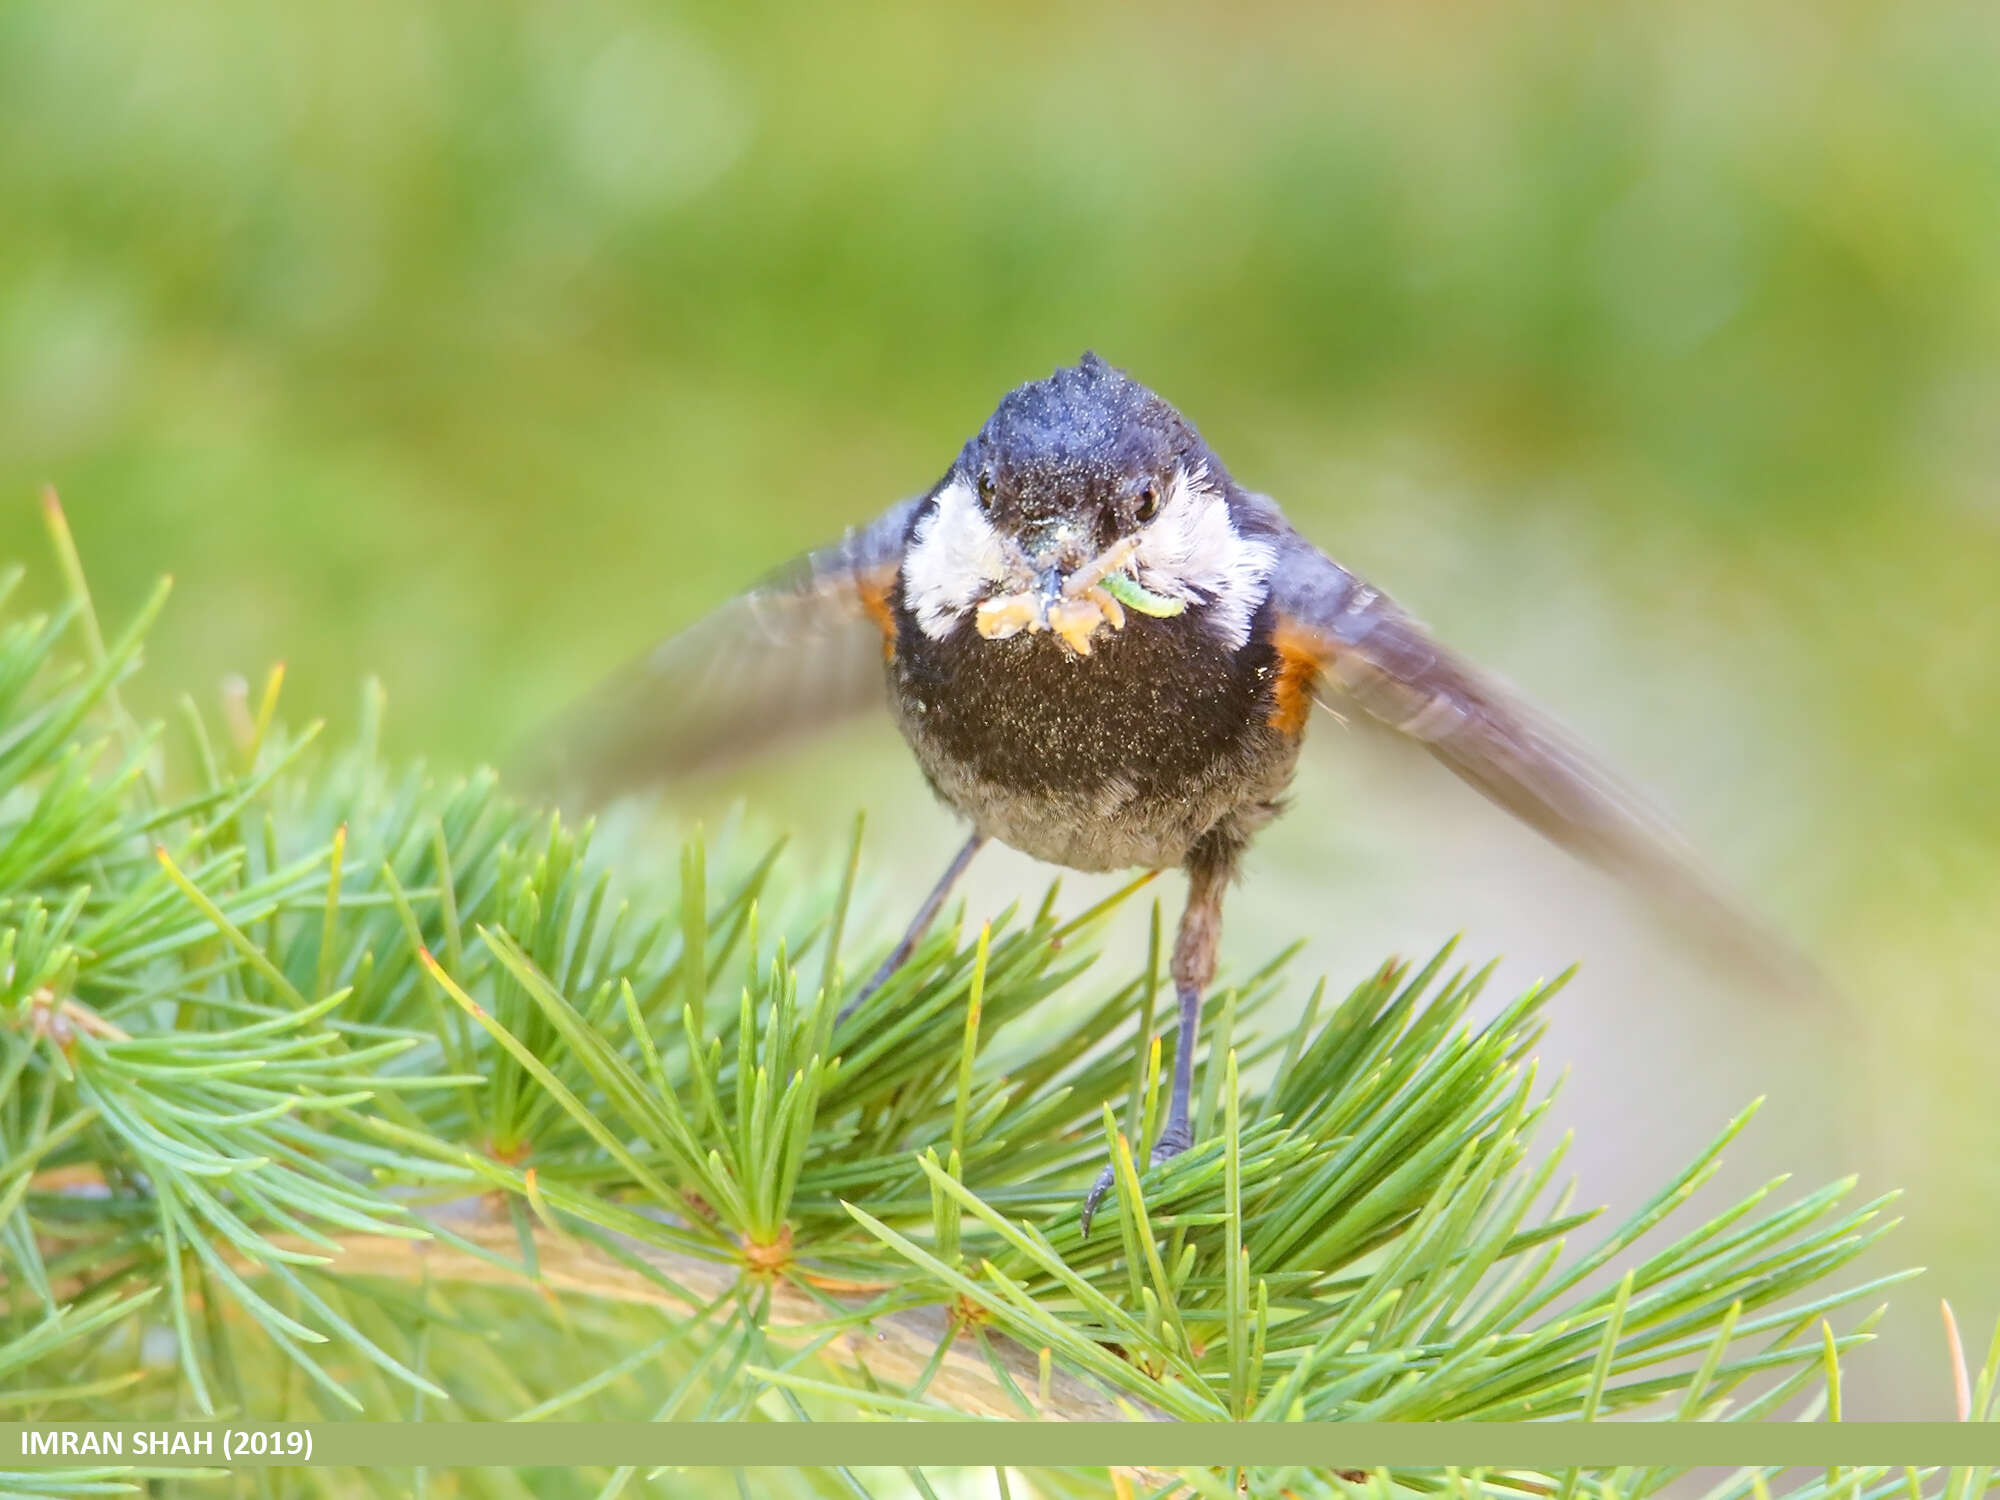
<point x="1104" y="651"/>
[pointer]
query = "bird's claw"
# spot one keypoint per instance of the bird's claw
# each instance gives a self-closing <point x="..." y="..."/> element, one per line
<point x="1092" y="1198"/>
<point x="1169" y="1145"/>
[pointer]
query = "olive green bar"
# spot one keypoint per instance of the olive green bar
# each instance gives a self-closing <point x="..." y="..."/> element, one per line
<point x="982" y="1444"/>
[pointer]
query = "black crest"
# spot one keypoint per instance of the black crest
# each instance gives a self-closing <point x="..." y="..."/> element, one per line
<point x="1080" y="437"/>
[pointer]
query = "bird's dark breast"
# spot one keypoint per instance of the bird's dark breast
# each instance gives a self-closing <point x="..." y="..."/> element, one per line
<point x="1127" y="757"/>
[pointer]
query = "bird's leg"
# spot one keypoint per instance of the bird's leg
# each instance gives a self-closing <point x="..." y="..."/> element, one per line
<point x="926" y="914"/>
<point x="1192" y="969"/>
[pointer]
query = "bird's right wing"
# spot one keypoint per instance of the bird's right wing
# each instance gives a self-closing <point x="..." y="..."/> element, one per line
<point x="798" y="653"/>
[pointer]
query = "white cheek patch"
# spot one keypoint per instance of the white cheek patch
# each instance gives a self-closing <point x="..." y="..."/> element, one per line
<point x="954" y="559"/>
<point x="1192" y="551"/>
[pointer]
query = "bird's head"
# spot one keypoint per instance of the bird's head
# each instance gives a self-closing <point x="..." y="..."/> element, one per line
<point x="1085" y="500"/>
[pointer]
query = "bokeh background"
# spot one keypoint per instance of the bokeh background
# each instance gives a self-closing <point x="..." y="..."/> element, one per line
<point x="1651" y="352"/>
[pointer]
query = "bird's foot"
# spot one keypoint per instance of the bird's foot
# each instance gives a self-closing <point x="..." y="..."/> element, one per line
<point x="1170" y="1144"/>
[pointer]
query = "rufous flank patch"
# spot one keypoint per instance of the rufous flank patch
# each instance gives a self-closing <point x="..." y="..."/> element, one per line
<point x="1291" y="690"/>
<point x="874" y="594"/>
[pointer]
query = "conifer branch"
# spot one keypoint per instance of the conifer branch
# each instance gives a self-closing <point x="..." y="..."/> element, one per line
<point x="321" y="1079"/>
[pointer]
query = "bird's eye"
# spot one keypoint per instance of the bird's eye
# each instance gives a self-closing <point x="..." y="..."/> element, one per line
<point x="1149" y="503"/>
<point x="984" y="485"/>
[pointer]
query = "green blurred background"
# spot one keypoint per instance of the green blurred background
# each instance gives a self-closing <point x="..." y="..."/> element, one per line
<point x="1651" y="352"/>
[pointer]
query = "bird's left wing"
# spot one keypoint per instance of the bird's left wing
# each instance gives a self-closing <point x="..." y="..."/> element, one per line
<point x="797" y="653"/>
<point x="1359" y="651"/>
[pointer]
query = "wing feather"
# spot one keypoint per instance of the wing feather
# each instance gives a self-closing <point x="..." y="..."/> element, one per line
<point x="1370" y="655"/>
<point x="797" y="654"/>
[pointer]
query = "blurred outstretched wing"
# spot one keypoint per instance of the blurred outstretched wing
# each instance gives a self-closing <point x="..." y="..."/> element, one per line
<point x="796" y="654"/>
<point x="1364" y="653"/>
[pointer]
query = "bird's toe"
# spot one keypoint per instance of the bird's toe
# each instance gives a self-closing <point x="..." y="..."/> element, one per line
<point x="1170" y="1145"/>
<point x="1094" y="1197"/>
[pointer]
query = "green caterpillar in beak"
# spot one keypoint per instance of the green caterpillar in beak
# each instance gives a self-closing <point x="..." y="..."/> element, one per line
<point x="1134" y="595"/>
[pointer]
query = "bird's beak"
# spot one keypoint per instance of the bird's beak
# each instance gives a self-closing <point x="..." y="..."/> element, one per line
<point x="1049" y="585"/>
<point x="1058" y="550"/>
<point x="1072" y="591"/>
<point x="1062" y="558"/>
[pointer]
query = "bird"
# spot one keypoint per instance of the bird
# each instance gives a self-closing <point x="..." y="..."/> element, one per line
<point x="1105" y="652"/>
